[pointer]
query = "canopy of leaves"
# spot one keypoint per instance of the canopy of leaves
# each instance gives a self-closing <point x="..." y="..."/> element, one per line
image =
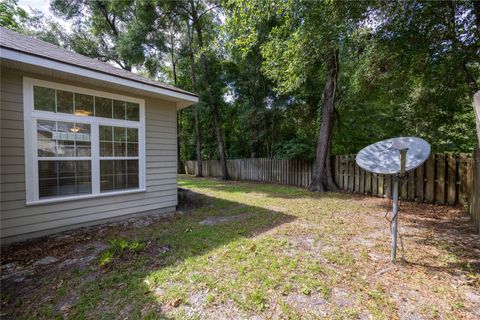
<point x="406" y="67"/>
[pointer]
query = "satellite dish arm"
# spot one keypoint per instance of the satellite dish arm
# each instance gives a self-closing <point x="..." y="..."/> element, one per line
<point x="403" y="161"/>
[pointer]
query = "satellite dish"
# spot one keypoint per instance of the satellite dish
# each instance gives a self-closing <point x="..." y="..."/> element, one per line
<point x="394" y="156"/>
<point x="383" y="157"/>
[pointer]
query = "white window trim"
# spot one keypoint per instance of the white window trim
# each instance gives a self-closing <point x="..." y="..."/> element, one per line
<point x="30" y="117"/>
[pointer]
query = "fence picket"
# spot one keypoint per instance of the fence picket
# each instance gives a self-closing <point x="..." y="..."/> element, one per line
<point x="368" y="183"/>
<point x="440" y="180"/>
<point x="430" y="178"/>
<point x="463" y="192"/>
<point x="420" y="183"/>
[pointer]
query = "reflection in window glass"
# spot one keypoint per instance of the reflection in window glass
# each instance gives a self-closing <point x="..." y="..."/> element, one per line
<point x="82" y="139"/>
<point x="132" y="142"/>
<point x="44" y="98"/>
<point x="119" y="109"/>
<point x="63" y="139"/>
<point x="119" y="146"/>
<point x="103" y="107"/>
<point x="83" y="104"/>
<point x="59" y="178"/>
<point x="133" y="111"/>
<point x="64" y="101"/>
<point x="46" y="146"/>
<point x="106" y="141"/>
<point x="48" y="99"/>
<point x="132" y="134"/>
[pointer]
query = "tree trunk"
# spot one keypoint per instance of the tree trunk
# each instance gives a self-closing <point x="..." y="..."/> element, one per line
<point x="322" y="171"/>
<point x="198" y="146"/>
<point x="180" y="168"/>
<point x="213" y="103"/>
<point x="476" y="110"/>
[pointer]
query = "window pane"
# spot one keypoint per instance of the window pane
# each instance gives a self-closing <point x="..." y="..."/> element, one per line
<point x="46" y="146"/>
<point x="106" y="167"/>
<point x="65" y="139"/>
<point x="82" y="139"/>
<point x="64" y="101"/>
<point x="120" y="181"/>
<point x="106" y="175"/>
<point x="132" y="149"/>
<point x="119" y="149"/>
<point x="84" y="185"/>
<point x="44" y="98"/>
<point x="57" y="178"/>
<point x="83" y="104"/>
<point x="132" y="181"/>
<point x="118" y="174"/>
<point x="120" y="134"/>
<point x="132" y="166"/>
<point x="48" y="169"/>
<point x="106" y="149"/>
<point x="83" y="174"/>
<point x="132" y="135"/>
<point x="119" y="109"/>
<point x="133" y="111"/>
<point x="106" y="183"/>
<point x="132" y="174"/>
<point x="66" y="186"/>
<point x="103" y="107"/>
<point x="106" y="133"/>
<point x="48" y="188"/>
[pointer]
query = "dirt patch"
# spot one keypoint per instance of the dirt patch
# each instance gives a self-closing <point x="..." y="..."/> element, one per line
<point x="216" y="220"/>
<point x="313" y="304"/>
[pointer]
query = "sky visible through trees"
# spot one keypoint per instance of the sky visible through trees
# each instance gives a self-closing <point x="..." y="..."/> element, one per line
<point x="272" y="74"/>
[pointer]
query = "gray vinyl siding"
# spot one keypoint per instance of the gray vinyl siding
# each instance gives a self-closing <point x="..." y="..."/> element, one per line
<point x="21" y="221"/>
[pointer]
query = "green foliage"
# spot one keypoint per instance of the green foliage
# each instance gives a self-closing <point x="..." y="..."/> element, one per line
<point x="11" y="15"/>
<point x="406" y="68"/>
<point x="296" y="148"/>
<point x="118" y="248"/>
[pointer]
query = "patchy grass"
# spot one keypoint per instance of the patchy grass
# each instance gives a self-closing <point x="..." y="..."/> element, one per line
<point x="292" y="255"/>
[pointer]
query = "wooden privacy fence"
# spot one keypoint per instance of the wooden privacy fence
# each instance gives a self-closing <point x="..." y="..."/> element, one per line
<point x="281" y="171"/>
<point x="442" y="179"/>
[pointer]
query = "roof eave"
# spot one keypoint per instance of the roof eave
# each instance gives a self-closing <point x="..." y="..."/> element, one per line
<point x="182" y="100"/>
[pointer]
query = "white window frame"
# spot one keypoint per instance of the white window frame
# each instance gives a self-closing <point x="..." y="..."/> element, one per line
<point x="30" y="140"/>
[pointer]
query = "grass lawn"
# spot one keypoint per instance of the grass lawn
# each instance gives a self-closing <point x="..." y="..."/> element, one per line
<point x="256" y="251"/>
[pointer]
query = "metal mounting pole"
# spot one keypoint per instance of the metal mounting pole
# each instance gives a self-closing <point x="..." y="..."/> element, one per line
<point x="394" y="220"/>
<point x="403" y="159"/>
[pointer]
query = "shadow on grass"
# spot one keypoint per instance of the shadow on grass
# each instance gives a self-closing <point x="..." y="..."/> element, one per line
<point x="449" y="229"/>
<point x="120" y="290"/>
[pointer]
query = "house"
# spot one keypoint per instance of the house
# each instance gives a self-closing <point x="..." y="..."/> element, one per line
<point x="82" y="142"/>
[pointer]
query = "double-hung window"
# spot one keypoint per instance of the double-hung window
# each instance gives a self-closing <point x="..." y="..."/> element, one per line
<point x="81" y="143"/>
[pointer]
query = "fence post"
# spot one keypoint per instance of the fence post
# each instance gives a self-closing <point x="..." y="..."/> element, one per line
<point x="475" y="189"/>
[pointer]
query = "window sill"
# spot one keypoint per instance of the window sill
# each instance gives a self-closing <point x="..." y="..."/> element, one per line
<point x="83" y="197"/>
